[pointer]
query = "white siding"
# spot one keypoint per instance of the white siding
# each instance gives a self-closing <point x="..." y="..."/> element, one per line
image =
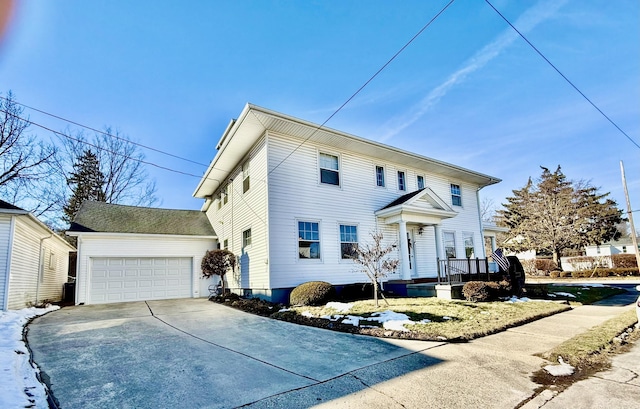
<point x="246" y="211"/>
<point x="24" y="288"/>
<point x="295" y="193"/>
<point x="108" y="245"/>
<point x="5" y="237"/>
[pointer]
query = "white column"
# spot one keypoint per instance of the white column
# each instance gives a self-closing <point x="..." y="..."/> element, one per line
<point x="404" y="251"/>
<point x="438" y="232"/>
<point x="493" y="243"/>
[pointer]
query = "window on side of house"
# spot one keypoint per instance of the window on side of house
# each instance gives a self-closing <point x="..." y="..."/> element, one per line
<point x="225" y="194"/>
<point x="456" y="195"/>
<point x="449" y="239"/>
<point x="308" y="240"/>
<point x="225" y="244"/>
<point x="624" y="249"/>
<point x="420" y="180"/>
<point x="380" y="176"/>
<point x="246" y="238"/>
<point x="469" y="250"/>
<point x="348" y="241"/>
<point x="329" y="169"/>
<point x="219" y="201"/>
<point x="245" y="177"/>
<point x="402" y="183"/>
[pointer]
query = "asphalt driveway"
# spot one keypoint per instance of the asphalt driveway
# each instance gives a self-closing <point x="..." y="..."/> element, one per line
<point x="192" y="353"/>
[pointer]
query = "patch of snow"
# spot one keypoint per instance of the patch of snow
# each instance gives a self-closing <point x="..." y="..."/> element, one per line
<point x="308" y="314"/>
<point x="516" y="299"/>
<point x="562" y="369"/>
<point x="552" y="295"/>
<point x="284" y="310"/>
<point x="397" y="325"/>
<point x="563" y="294"/>
<point x="340" y="306"/>
<point x="17" y="373"/>
<point x="446" y="318"/>
<point x="352" y="319"/>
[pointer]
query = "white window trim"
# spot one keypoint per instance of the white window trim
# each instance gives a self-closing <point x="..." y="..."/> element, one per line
<point x="451" y="194"/>
<point x="242" y="245"/>
<point x="337" y="155"/>
<point x="297" y="244"/>
<point x="357" y="225"/>
<point x="424" y="181"/>
<point x="384" y="176"/>
<point x="406" y="188"/>
<point x="444" y="243"/>
<point x="465" y="234"/>
<point x="246" y="175"/>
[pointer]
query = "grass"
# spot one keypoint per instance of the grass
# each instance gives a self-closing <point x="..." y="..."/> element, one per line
<point x="582" y="294"/>
<point x="451" y="320"/>
<point x="590" y="348"/>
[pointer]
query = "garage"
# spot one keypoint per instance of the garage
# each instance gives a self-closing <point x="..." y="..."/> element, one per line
<point x="119" y="279"/>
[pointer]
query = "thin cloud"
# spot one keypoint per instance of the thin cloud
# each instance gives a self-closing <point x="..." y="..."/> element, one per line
<point x="526" y="22"/>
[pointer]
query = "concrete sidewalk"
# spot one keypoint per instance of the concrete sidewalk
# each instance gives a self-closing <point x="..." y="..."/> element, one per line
<point x="192" y="353"/>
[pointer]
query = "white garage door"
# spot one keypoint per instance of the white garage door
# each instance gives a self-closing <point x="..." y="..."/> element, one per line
<point x="137" y="279"/>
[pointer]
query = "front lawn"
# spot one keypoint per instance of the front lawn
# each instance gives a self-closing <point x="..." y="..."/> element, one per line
<point x="583" y="294"/>
<point x="424" y="318"/>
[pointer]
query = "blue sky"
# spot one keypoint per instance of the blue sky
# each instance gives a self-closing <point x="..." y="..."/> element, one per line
<point x="468" y="90"/>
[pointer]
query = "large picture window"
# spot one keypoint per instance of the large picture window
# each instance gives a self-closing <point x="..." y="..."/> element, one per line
<point x="348" y="241"/>
<point x="449" y="239"/>
<point x="329" y="169"/>
<point x="308" y="240"/>
<point x="456" y="195"/>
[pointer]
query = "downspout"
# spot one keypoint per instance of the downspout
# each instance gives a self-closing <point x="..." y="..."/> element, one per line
<point x="40" y="267"/>
<point x="484" y="254"/>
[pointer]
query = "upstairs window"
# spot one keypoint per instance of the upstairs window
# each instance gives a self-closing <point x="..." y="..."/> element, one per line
<point x="225" y="195"/>
<point x="380" y="176"/>
<point x="308" y="240"/>
<point x="245" y="177"/>
<point x="456" y="195"/>
<point x="329" y="171"/>
<point x="420" y="180"/>
<point x="402" y="185"/>
<point x="348" y="241"/>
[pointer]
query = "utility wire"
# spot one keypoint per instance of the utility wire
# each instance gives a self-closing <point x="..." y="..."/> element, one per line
<point x="363" y="85"/>
<point x="563" y="76"/>
<point x="102" y="132"/>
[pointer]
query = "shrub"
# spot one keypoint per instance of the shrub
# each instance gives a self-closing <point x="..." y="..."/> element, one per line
<point x="312" y="293"/>
<point x="545" y="264"/>
<point x="554" y="274"/>
<point x="529" y="267"/>
<point x="480" y="291"/>
<point x="565" y="274"/>
<point x="624" y="260"/>
<point x="587" y="262"/>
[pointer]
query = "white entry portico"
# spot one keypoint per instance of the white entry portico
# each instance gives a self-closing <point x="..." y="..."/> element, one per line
<point x="416" y="210"/>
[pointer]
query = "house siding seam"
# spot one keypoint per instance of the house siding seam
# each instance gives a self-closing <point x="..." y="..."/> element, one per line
<point x="5" y="258"/>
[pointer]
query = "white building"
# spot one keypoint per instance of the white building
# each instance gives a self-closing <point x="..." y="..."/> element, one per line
<point x="290" y="198"/>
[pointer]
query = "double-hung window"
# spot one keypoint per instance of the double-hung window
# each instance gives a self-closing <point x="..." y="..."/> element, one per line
<point x="348" y="241"/>
<point x="245" y="177"/>
<point x="449" y="239"/>
<point x="402" y="183"/>
<point x="308" y="240"/>
<point x="225" y="194"/>
<point x="456" y="195"/>
<point x="329" y="169"/>
<point x="420" y="180"/>
<point x="468" y="244"/>
<point x="380" y="176"/>
<point x="246" y="238"/>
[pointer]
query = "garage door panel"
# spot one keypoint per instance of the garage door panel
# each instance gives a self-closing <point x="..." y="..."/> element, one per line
<point x="137" y="279"/>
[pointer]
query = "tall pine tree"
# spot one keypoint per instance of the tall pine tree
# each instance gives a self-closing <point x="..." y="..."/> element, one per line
<point x="556" y="214"/>
<point x="87" y="183"/>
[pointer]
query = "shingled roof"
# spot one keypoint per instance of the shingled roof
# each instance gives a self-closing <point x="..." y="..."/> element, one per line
<point x="110" y="218"/>
<point x="8" y="206"/>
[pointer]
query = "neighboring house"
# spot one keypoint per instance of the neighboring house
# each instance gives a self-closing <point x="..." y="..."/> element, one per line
<point x="621" y="246"/>
<point x="290" y="198"/>
<point x="128" y="253"/>
<point x="34" y="260"/>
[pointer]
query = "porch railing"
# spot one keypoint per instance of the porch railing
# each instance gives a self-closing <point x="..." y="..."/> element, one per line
<point x="455" y="270"/>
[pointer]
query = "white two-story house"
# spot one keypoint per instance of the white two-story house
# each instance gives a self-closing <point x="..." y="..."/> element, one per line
<point x="290" y="198"/>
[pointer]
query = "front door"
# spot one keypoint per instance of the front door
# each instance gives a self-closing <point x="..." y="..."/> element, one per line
<point x="411" y="245"/>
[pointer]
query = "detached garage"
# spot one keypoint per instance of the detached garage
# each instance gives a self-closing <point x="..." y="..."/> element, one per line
<point x="128" y="253"/>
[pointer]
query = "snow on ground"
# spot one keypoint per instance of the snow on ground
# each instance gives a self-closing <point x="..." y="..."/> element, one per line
<point x="562" y="369"/>
<point x="20" y="387"/>
<point x="340" y="306"/>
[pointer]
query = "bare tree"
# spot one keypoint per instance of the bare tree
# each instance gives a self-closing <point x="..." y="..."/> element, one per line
<point x="487" y="210"/>
<point x="23" y="159"/>
<point x="375" y="261"/>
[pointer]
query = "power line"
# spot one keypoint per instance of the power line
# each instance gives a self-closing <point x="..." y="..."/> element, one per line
<point x="101" y="132"/>
<point x="563" y="76"/>
<point x="363" y="85"/>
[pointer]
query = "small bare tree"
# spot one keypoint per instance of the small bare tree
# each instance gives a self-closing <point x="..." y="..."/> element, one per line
<point x="375" y="262"/>
<point x="218" y="262"/>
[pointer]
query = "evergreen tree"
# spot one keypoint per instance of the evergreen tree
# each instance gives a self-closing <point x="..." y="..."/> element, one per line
<point x="86" y="182"/>
<point x="555" y="215"/>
